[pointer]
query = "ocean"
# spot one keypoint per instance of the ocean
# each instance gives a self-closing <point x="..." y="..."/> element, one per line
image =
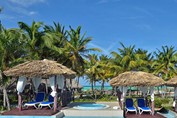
<point x="85" y="88"/>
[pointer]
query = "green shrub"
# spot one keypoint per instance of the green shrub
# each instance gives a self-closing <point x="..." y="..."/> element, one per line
<point x="2" y="108"/>
<point x="160" y="101"/>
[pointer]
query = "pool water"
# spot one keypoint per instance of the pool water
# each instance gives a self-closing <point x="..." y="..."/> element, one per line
<point x="92" y="117"/>
<point x="91" y="106"/>
<point x="169" y="114"/>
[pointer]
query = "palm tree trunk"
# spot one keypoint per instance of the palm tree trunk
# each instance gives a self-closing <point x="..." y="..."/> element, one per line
<point x="102" y="86"/>
<point x="6" y="98"/>
<point x="92" y="87"/>
<point x="77" y="81"/>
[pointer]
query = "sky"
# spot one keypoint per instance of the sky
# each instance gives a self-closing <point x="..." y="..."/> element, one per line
<point x="147" y="24"/>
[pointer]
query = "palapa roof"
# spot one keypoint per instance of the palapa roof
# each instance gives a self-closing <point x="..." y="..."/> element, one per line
<point x="172" y="82"/>
<point x="40" y="68"/>
<point x="136" y="78"/>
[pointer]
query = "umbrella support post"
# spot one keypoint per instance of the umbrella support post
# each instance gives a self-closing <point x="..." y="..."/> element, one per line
<point x="152" y="105"/>
<point x="55" y="97"/>
<point x="124" y="110"/>
<point x="19" y="102"/>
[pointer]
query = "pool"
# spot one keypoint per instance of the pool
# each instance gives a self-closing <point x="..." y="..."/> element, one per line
<point x="91" y="106"/>
<point x="92" y="117"/>
<point x="169" y="114"/>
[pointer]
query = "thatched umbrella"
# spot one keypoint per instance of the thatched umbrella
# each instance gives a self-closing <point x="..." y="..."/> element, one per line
<point x="173" y="83"/>
<point x="39" y="68"/>
<point x="137" y="78"/>
<point x="43" y="68"/>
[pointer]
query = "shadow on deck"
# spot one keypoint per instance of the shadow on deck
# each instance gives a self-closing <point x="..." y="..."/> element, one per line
<point x="143" y="115"/>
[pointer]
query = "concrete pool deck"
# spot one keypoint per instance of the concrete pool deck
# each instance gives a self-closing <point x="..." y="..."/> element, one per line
<point x="70" y="112"/>
<point x="108" y="112"/>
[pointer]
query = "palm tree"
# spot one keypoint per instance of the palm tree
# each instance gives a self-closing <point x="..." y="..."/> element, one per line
<point x="76" y="50"/>
<point x="143" y="60"/>
<point x="34" y="42"/>
<point x="0" y="20"/>
<point x="55" y="40"/>
<point x="91" y="69"/>
<point x="165" y="62"/>
<point x="10" y="55"/>
<point x="105" y="70"/>
<point x="131" y="59"/>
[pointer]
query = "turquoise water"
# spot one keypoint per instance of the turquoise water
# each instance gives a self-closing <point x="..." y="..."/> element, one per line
<point x="86" y="88"/>
<point x="92" y="117"/>
<point x="169" y="115"/>
<point x="91" y="106"/>
<point x="4" y="116"/>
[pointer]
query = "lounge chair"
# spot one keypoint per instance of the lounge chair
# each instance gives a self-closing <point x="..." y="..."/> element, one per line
<point x="48" y="103"/>
<point x="129" y="105"/>
<point x="142" y="107"/>
<point x="39" y="98"/>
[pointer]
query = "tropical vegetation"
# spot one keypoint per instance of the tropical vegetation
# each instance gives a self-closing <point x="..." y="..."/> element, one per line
<point x="70" y="47"/>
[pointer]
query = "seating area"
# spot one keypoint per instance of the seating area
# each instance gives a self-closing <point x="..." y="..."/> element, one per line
<point x="39" y="98"/>
<point x="129" y="105"/>
<point x="141" y="106"/>
<point x="48" y="103"/>
<point x="39" y="101"/>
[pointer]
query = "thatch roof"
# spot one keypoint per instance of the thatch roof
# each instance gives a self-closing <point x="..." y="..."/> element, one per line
<point x="136" y="78"/>
<point x="40" y="68"/>
<point x="172" y="82"/>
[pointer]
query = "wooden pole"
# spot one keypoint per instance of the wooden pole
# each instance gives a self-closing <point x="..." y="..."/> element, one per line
<point x="55" y="97"/>
<point x="175" y="107"/>
<point x="124" y="108"/>
<point x="152" y="105"/>
<point x="152" y="100"/>
<point x="19" y="102"/>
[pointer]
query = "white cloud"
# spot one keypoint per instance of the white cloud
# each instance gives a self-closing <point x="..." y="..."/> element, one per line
<point x="144" y="11"/>
<point x="4" y="16"/>
<point x="32" y="13"/>
<point x="105" y="51"/>
<point x="102" y="1"/>
<point x="22" y="11"/>
<point x="106" y="1"/>
<point x="26" y="3"/>
<point x="132" y="17"/>
<point x="144" y="27"/>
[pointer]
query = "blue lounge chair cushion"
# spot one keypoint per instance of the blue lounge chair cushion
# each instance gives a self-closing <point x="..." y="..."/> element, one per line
<point x="47" y="103"/>
<point x="131" y="108"/>
<point x="129" y="105"/>
<point x="145" y="108"/>
<point x="44" y="103"/>
<point x="142" y="107"/>
<point x="39" y="98"/>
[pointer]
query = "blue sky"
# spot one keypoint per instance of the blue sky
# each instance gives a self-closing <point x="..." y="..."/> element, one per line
<point x="147" y="24"/>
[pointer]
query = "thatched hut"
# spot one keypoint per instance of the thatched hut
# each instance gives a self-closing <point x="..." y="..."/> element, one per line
<point x="173" y="83"/>
<point x="43" y="68"/>
<point x="38" y="69"/>
<point x="137" y="78"/>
